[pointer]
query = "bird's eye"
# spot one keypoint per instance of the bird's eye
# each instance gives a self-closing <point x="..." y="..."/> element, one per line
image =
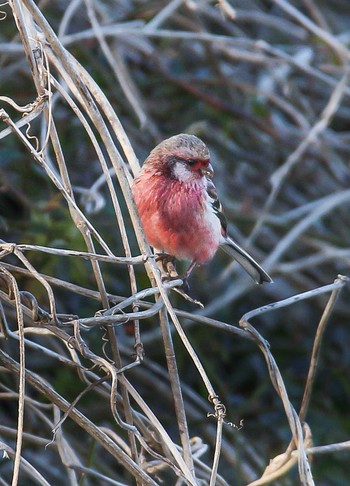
<point x="190" y="162"/>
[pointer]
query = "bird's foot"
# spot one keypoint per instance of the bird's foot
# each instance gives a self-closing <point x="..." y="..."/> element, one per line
<point x="185" y="285"/>
<point x="173" y="275"/>
<point x="167" y="265"/>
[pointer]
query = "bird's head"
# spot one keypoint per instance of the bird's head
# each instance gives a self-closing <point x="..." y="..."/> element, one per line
<point x="182" y="157"/>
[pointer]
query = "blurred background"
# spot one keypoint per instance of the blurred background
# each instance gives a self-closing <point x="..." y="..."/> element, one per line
<point x="264" y="84"/>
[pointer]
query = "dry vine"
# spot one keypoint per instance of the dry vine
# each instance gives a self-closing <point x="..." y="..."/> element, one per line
<point x="134" y="446"/>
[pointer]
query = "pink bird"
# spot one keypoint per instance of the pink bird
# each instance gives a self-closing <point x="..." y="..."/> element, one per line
<point x="179" y="208"/>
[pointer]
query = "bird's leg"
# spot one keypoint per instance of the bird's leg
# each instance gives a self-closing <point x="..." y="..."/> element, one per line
<point x="189" y="270"/>
<point x="185" y="286"/>
<point x="169" y="271"/>
<point x="166" y="264"/>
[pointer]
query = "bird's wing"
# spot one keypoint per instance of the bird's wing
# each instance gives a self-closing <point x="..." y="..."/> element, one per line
<point x="229" y="246"/>
<point x="216" y="206"/>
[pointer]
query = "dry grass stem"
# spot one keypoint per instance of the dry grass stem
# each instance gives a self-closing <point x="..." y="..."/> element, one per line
<point x="110" y="373"/>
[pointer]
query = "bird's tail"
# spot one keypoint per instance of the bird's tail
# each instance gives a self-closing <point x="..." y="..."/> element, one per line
<point x="245" y="260"/>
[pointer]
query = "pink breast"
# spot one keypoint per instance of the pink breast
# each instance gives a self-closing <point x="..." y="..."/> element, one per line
<point x="173" y="217"/>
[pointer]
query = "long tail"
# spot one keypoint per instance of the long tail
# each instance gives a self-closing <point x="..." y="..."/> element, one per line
<point x="245" y="260"/>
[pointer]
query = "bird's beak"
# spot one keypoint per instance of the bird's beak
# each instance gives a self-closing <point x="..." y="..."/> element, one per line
<point x="208" y="171"/>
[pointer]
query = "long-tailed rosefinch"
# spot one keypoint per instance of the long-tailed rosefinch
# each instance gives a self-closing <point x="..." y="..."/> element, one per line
<point x="179" y="208"/>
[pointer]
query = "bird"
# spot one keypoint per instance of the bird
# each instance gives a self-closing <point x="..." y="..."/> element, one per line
<point x="179" y="208"/>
